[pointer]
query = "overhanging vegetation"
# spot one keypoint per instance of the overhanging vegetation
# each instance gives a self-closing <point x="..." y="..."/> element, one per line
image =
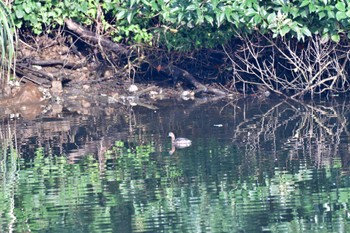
<point x="292" y="48"/>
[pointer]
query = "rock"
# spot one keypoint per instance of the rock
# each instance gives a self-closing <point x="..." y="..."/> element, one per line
<point x="28" y="111"/>
<point x="27" y="102"/>
<point x="133" y="88"/>
<point x="186" y="95"/>
<point x="153" y="94"/>
<point x="29" y="93"/>
<point x="37" y="67"/>
<point x="56" y="109"/>
<point x="85" y="104"/>
<point x="108" y="73"/>
<point x="56" y="87"/>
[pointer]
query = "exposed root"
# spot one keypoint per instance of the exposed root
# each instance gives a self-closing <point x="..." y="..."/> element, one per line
<point x="176" y="72"/>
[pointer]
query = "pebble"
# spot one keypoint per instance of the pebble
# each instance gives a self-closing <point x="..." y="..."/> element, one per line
<point x="133" y="88"/>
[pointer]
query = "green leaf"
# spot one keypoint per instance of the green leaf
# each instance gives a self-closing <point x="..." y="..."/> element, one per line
<point x="148" y="3"/>
<point x="294" y="26"/>
<point x="262" y="12"/>
<point x="19" y="13"/>
<point x="300" y="36"/>
<point x="306" y="31"/>
<point x="209" y="19"/>
<point x="84" y="7"/>
<point x="155" y="6"/>
<point x="250" y="12"/>
<point x="180" y="16"/>
<point x="284" y="30"/>
<point x="330" y="14"/>
<point x="305" y="3"/>
<point x="294" y="12"/>
<point x="129" y="17"/>
<point x="121" y="14"/>
<point x="174" y="10"/>
<point x="325" y="38"/>
<point x="132" y="2"/>
<point x="27" y="8"/>
<point x="200" y="18"/>
<point x="340" y="15"/>
<point x="304" y="13"/>
<point x="257" y="19"/>
<point x="59" y="20"/>
<point x="312" y="8"/>
<point x="191" y="8"/>
<point x="321" y="15"/>
<point x="271" y="18"/>
<point x="340" y="6"/>
<point x="220" y="18"/>
<point x="287" y="21"/>
<point x="335" y="38"/>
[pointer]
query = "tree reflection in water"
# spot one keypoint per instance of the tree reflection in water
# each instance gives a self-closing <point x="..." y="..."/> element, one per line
<point x="282" y="165"/>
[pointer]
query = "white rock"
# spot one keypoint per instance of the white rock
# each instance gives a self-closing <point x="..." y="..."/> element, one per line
<point x="187" y="93"/>
<point x="37" y="67"/>
<point x="133" y="88"/>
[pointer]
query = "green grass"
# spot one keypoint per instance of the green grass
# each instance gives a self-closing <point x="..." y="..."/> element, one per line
<point x="7" y="45"/>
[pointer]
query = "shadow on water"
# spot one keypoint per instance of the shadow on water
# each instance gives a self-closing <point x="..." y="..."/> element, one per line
<point x="252" y="167"/>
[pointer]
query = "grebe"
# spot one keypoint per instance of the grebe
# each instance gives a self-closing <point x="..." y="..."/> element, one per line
<point x="179" y="142"/>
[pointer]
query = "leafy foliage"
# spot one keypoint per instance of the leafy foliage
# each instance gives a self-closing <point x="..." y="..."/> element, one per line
<point x="185" y="24"/>
<point x="40" y="15"/>
<point x="7" y="44"/>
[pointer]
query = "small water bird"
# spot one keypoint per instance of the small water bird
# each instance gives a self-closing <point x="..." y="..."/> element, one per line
<point x="179" y="142"/>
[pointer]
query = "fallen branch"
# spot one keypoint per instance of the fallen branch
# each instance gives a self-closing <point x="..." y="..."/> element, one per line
<point x="64" y="64"/>
<point x="95" y="38"/>
<point x="175" y="72"/>
<point x="35" y="76"/>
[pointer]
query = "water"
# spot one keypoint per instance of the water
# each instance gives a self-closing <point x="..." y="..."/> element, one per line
<point x="252" y="167"/>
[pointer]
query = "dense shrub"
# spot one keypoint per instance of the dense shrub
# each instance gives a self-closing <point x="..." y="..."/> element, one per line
<point x="185" y="24"/>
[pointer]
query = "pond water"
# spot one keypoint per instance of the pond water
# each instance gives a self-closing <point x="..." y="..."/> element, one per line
<point x="252" y="167"/>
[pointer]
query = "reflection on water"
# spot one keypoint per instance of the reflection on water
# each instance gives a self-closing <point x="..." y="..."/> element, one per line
<point x="273" y="167"/>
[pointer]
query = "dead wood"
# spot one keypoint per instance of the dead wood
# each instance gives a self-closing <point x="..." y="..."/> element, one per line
<point x="95" y="38"/>
<point x="175" y="71"/>
<point x="63" y="63"/>
<point x="42" y="77"/>
<point x="38" y="77"/>
<point x="148" y="89"/>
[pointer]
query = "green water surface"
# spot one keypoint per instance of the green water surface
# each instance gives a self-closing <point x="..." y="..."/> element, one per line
<point x="252" y="167"/>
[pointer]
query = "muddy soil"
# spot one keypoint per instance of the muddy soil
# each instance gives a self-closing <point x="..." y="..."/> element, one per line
<point x="52" y="61"/>
<point x="75" y="79"/>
